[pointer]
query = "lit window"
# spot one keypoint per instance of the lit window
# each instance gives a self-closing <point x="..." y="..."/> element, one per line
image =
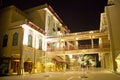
<point x="5" y="40"/>
<point x="15" y="39"/>
<point x="30" y="40"/>
<point x="49" y="21"/>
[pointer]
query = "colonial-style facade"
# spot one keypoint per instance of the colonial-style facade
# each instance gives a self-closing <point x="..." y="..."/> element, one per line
<point x="36" y="40"/>
<point x="23" y="38"/>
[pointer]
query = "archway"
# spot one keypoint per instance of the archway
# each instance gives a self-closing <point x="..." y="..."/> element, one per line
<point x="28" y="65"/>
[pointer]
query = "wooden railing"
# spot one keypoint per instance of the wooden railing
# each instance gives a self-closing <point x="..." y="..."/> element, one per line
<point x="65" y="48"/>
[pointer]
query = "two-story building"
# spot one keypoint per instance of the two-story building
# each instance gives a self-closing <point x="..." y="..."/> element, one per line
<point x="23" y="38"/>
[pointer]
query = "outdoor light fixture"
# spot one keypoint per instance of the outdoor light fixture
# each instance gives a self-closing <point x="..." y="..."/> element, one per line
<point x="91" y="32"/>
<point x="76" y="38"/>
<point x="62" y="39"/>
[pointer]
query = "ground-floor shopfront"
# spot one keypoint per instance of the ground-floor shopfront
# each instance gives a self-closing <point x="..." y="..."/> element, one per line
<point x="39" y="63"/>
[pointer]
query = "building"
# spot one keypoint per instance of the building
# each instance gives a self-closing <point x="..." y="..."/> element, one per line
<point x="110" y="22"/>
<point x="23" y="42"/>
<point x="36" y="40"/>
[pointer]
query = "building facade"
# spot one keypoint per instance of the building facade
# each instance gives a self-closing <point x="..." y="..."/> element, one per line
<point x="23" y="42"/>
<point x="110" y="24"/>
<point x="36" y="40"/>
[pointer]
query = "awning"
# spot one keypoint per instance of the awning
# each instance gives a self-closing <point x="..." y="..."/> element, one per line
<point x="28" y="60"/>
<point x="58" y="59"/>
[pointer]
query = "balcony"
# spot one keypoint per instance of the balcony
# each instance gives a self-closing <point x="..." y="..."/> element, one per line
<point x="80" y="47"/>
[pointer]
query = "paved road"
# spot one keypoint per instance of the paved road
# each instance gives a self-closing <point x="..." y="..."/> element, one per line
<point x="69" y="75"/>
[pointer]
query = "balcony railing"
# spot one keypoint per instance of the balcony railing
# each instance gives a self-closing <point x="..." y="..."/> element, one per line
<point x="65" y="48"/>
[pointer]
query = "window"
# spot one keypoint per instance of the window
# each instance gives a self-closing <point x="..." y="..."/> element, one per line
<point x="40" y="44"/>
<point x="5" y="40"/>
<point x="48" y="28"/>
<point x="48" y="31"/>
<point x="30" y="40"/>
<point x="15" y="39"/>
<point x="54" y="27"/>
<point x="58" y="29"/>
<point x="49" y="21"/>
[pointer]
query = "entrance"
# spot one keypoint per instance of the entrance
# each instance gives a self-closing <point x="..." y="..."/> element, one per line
<point x="28" y="65"/>
<point x="15" y="65"/>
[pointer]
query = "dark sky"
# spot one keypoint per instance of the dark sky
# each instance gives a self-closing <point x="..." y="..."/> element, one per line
<point x="78" y="15"/>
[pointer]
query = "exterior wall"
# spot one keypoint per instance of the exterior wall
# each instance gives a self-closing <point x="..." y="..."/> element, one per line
<point x="44" y="17"/>
<point x="52" y="24"/>
<point x="106" y="59"/>
<point x="5" y="19"/>
<point x="10" y="21"/>
<point x="104" y="29"/>
<point x="7" y="27"/>
<point x="10" y="49"/>
<point x="35" y="56"/>
<point x="32" y="53"/>
<point x="113" y="15"/>
<point x="37" y="17"/>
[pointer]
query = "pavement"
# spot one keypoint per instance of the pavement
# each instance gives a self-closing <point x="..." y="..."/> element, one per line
<point x="96" y="74"/>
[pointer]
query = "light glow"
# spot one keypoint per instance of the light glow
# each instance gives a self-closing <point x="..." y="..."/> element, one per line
<point x="62" y="39"/>
<point x="76" y="38"/>
<point x="36" y="35"/>
<point x="25" y="37"/>
<point x="70" y="55"/>
<point x="91" y="32"/>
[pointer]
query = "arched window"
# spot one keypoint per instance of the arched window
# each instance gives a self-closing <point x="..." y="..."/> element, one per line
<point x="15" y="39"/>
<point x="5" y="40"/>
<point x="30" y="40"/>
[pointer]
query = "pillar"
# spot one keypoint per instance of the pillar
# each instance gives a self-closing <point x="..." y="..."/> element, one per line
<point x="76" y="44"/>
<point x="92" y="42"/>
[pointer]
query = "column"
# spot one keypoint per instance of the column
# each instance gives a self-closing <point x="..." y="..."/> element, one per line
<point x="34" y="52"/>
<point x="21" y="68"/>
<point x="68" y="46"/>
<point x="76" y="44"/>
<point x="92" y="42"/>
<point x="114" y="64"/>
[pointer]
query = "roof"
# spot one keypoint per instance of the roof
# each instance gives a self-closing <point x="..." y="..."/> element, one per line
<point x="58" y="59"/>
<point x="42" y="7"/>
<point x="26" y="21"/>
<point x="32" y="25"/>
<point x="51" y="10"/>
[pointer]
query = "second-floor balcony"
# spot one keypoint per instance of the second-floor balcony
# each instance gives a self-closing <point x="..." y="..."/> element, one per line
<point x="80" y="47"/>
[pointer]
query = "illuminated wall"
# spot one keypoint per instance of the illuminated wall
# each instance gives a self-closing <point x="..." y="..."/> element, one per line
<point x="9" y="26"/>
<point x="30" y="44"/>
<point x="45" y="17"/>
<point x="112" y="11"/>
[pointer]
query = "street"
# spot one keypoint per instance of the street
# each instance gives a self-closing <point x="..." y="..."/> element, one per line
<point x="68" y="75"/>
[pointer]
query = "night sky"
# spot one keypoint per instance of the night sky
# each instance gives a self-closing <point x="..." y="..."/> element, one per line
<point x="78" y="15"/>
